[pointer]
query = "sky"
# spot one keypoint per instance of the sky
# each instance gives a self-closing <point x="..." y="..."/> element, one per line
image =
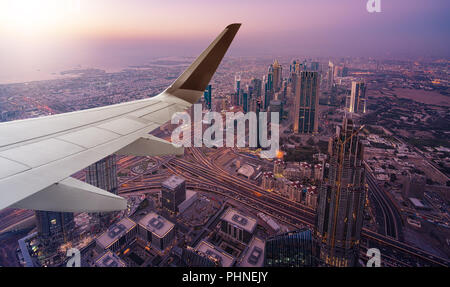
<point x="54" y="35"/>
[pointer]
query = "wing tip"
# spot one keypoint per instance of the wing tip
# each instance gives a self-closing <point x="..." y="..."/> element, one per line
<point x="234" y="26"/>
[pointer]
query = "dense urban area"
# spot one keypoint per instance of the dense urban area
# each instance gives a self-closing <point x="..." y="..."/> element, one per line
<point x="363" y="163"/>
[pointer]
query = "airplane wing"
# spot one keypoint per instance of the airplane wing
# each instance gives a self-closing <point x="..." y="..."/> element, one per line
<point x="38" y="156"/>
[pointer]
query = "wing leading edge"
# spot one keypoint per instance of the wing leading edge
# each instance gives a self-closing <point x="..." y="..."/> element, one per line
<point x="37" y="156"/>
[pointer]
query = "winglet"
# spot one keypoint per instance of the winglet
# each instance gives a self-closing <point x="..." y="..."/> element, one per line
<point x="200" y="72"/>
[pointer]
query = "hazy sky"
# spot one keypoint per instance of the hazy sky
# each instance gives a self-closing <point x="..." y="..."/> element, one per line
<point x="38" y="34"/>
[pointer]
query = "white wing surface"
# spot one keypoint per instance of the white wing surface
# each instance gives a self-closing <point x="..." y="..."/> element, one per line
<point x="37" y="156"/>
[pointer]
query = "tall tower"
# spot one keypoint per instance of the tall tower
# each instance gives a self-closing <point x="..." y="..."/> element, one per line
<point x="306" y="102"/>
<point x="256" y="84"/>
<point x="342" y="195"/>
<point x="277" y="76"/>
<point x="207" y="95"/>
<point x="54" y="227"/>
<point x="173" y="192"/>
<point x="103" y="174"/>
<point x="330" y="75"/>
<point x="356" y="101"/>
<point x="237" y="83"/>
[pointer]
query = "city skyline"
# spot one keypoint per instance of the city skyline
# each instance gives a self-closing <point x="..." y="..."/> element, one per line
<point x="355" y="173"/>
<point x="47" y="38"/>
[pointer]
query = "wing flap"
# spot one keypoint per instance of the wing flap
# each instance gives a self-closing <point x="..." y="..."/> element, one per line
<point x="151" y="146"/>
<point x="72" y="195"/>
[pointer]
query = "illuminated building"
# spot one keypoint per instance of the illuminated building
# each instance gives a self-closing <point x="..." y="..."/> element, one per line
<point x="237" y="226"/>
<point x="290" y="249"/>
<point x="215" y="254"/>
<point x="207" y="94"/>
<point x="156" y="230"/>
<point x="330" y="76"/>
<point x="109" y="259"/>
<point x="356" y="101"/>
<point x="340" y="210"/>
<point x="173" y="192"/>
<point x="117" y="236"/>
<point x="54" y="227"/>
<point x="306" y="103"/>
<point x="277" y="73"/>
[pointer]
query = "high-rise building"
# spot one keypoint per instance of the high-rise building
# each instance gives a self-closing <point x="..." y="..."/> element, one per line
<point x="306" y="102"/>
<point x="173" y="192"/>
<point x="103" y="174"/>
<point x="277" y="72"/>
<point x="330" y="76"/>
<point x="256" y="85"/>
<point x="245" y="102"/>
<point x="356" y="101"/>
<point x="54" y="227"/>
<point x="157" y="231"/>
<point x="255" y="106"/>
<point x="208" y="96"/>
<point x="237" y="83"/>
<point x="277" y="107"/>
<point x="291" y="249"/>
<point x="237" y="225"/>
<point x="342" y="194"/>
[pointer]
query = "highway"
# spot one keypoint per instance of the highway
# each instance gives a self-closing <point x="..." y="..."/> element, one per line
<point x="392" y="218"/>
<point x="204" y="171"/>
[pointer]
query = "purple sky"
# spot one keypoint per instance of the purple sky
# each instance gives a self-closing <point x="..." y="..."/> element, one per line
<point x="117" y="31"/>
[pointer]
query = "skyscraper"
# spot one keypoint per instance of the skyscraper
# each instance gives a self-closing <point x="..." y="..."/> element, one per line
<point x="306" y="102"/>
<point x="208" y="96"/>
<point x="342" y="194"/>
<point x="54" y="227"/>
<point x="245" y="101"/>
<point x="277" y="72"/>
<point x="330" y="76"/>
<point x="237" y="83"/>
<point x="173" y="192"/>
<point x="356" y="101"/>
<point x="256" y="85"/>
<point x="103" y="174"/>
<point x="290" y="249"/>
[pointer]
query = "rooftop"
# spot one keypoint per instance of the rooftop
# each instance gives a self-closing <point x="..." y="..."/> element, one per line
<point x="214" y="252"/>
<point x="156" y="224"/>
<point x="114" y="232"/>
<point x="109" y="259"/>
<point x="254" y="257"/>
<point x="237" y="219"/>
<point x="172" y="182"/>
